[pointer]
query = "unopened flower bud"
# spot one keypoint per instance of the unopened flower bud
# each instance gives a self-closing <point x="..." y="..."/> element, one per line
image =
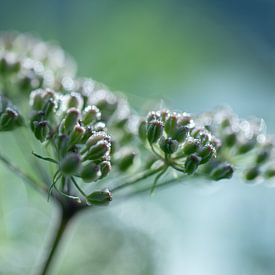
<point x="9" y="119"/>
<point x="206" y="153"/>
<point x="41" y="130"/>
<point x="191" y="146"/>
<point x="246" y="146"/>
<point x="154" y="131"/>
<point x="270" y="172"/>
<point x="185" y="119"/>
<point x="191" y="164"/>
<point x="170" y="125"/>
<point x="252" y="173"/>
<point x="204" y="137"/>
<point x="76" y="134"/>
<point x="74" y="100"/>
<point x="89" y="172"/>
<point x="230" y="139"/>
<point x="70" y="163"/>
<point x="164" y="114"/>
<point x="100" y="197"/>
<point x="126" y="160"/>
<point x="152" y="116"/>
<point x="88" y="132"/>
<point x="71" y="119"/>
<point x="98" y="150"/>
<point x="142" y="130"/>
<point x="105" y="168"/>
<point x="49" y="107"/>
<point x="222" y="171"/>
<point x="36" y="100"/>
<point x="96" y="137"/>
<point x="91" y="114"/>
<point x="262" y="157"/>
<point x="168" y="145"/>
<point x="181" y="133"/>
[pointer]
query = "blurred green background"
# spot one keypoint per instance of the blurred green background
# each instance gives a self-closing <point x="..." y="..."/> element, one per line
<point x="192" y="55"/>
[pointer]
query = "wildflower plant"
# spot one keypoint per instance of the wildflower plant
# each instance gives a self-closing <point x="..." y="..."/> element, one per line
<point x="98" y="148"/>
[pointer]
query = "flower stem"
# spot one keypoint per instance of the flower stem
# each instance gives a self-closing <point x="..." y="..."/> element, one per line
<point x="141" y="176"/>
<point x="64" y="220"/>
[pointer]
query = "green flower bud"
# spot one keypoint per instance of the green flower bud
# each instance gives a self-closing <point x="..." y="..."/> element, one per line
<point x="185" y="119"/>
<point x="36" y="100"/>
<point x="126" y="160"/>
<point x="152" y="116"/>
<point x="252" y="173"/>
<point x="9" y="119"/>
<point x="96" y="137"/>
<point x="222" y="171"/>
<point x="100" y="197"/>
<point x="206" y="153"/>
<point x="76" y="134"/>
<point x="245" y="147"/>
<point x="262" y="157"/>
<point x="89" y="172"/>
<point x="204" y="137"/>
<point x="3" y="65"/>
<point x="270" y="172"/>
<point x="168" y="145"/>
<point x="192" y="163"/>
<point x="88" y="132"/>
<point x="142" y="130"/>
<point x="154" y="131"/>
<point x="196" y="132"/>
<point x="226" y="122"/>
<point x="91" y="114"/>
<point x="98" y="150"/>
<point x="49" y="107"/>
<point x="191" y="146"/>
<point x="105" y="168"/>
<point x="41" y="130"/>
<point x="74" y="100"/>
<point x="70" y="163"/>
<point x="71" y="119"/>
<point x="230" y="139"/>
<point x="164" y="114"/>
<point x="170" y="125"/>
<point x="181" y="133"/>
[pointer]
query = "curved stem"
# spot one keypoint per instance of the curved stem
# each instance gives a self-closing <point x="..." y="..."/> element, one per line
<point x="59" y="232"/>
<point x="143" y="175"/>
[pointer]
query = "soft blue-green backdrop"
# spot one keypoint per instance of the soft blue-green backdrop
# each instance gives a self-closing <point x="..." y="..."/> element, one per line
<point x="193" y="55"/>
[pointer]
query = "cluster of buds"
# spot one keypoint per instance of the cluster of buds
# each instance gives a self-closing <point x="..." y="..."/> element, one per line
<point x="82" y="146"/>
<point x="9" y="116"/>
<point x="28" y="63"/>
<point x="242" y="140"/>
<point x="179" y="143"/>
<point x="118" y="116"/>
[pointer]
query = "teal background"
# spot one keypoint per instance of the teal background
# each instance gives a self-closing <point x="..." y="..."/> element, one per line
<point x="192" y="55"/>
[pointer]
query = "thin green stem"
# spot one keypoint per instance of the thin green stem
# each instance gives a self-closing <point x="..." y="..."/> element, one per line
<point x="159" y="186"/>
<point x="63" y="223"/>
<point x="156" y="180"/>
<point x="78" y="187"/>
<point x="141" y="176"/>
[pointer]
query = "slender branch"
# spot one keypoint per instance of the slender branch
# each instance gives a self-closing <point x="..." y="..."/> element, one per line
<point x="63" y="223"/>
<point x="143" y="175"/>
<point x="27" y="178"/>
<point x="159" y="186"/>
